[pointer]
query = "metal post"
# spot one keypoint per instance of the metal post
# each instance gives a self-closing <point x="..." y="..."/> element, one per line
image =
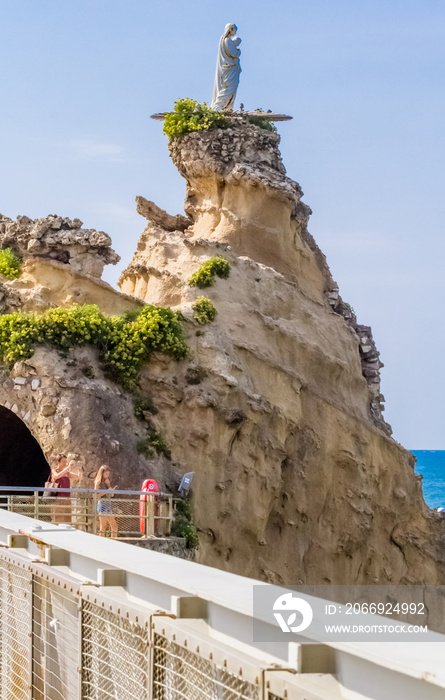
<point x="170" y="515"/>
<point x="151" y="516"/>
<point x="30" y="635"/>
<point x="80" y="648"/>
<point x="94" y="515"/>
<point x="159" y="613"/>
<point x="147" y="515"/>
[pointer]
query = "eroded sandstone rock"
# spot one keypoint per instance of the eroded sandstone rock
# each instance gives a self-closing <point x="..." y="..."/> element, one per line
<point x="278" y="408"/>
<point x="305" y="484"/>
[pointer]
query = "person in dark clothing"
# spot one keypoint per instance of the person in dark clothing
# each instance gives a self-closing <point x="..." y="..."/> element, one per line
<point x="60" y="476"/>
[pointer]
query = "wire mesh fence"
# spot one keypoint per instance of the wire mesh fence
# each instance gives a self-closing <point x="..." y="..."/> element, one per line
<point x="55" y="638"/>
<point x="61" y="639"/>
<point x="119" y="514"/>
<point x="15" y="631"/>
<point x="115" y="656"/>
<point x="180" y="673"/>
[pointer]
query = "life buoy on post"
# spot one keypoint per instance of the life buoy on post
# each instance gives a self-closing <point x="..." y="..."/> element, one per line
<point x="150" y="486"/>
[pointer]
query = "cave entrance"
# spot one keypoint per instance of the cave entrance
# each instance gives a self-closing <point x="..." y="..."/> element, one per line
<point x="22" y="462"/>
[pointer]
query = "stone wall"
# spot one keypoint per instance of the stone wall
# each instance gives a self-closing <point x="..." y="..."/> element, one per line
<point x="175" y="546"/>
<point x="70" y="406"/>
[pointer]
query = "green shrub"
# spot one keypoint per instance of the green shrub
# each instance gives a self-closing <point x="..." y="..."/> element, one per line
<point x="143" y="405"/>
<point x="124" y="345"/>
<point x="189" y="115"/>
<point x="153" y="443"/>
<point x="10" y="264"/>
<point x="262" y="122"/>
<point x="203" y="311"/>
<point x="183" y="525"/>
<point x="205" y="276"/>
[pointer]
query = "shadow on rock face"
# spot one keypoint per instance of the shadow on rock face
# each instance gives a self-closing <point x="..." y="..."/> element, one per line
<point x="22" y="462"/>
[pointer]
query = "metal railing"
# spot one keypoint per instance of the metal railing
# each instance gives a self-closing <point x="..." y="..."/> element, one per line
<point x="123" y="515"/>
<point x="83" y="619"/>
<point x="58" y="641"/>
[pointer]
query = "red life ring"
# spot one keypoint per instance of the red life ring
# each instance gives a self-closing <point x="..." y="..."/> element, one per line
<point x="150" y="486"/>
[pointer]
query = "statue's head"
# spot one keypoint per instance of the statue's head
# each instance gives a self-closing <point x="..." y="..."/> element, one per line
<point x="230" y="30"/>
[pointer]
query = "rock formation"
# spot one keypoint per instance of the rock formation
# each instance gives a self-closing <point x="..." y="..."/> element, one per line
<point x="280" y="412"/>
<point x="66" y="400"/>
<point x="62" y="264"/>
<point x="62" y="239"/>
<point x="278" y="408"/>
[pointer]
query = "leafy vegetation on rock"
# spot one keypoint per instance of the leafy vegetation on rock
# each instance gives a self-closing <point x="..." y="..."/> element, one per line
<point x="203" y="311"/>
<point x="124" y="344"/>
<point x="262" y="122"/>
<point x="183" y="525"/>
<point x="205" y="276"/>
<point x="189" y="115"/>
<point x="153" y="443"/>
<point x="143" y="405"/>
<point x="10" y="264"/>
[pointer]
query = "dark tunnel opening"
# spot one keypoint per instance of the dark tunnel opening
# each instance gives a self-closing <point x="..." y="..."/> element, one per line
<point x="22" y="462"/>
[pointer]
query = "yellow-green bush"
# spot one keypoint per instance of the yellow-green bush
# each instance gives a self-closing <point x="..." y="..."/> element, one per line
<point x="124" y="343"/>
<point x="203" y="311"/>
<point x="205" y="276"/>
<point x="10" y="264"/>
<point x="189" y="115"/>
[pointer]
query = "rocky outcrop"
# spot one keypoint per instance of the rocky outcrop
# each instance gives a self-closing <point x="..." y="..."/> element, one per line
<point x="369" y="356"/>
<point x="61" y="239"/>
<point x="62" y="264"/>
<point x="46" y="283"/>
<point x="279" y="410"/>
<point x="153" y="213"/>
<point x="66" y="399"/>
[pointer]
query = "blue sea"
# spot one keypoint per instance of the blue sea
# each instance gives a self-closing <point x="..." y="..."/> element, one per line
<point x="431" y="464"/>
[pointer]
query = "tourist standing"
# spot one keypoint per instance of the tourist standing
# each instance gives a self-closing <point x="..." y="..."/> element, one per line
<point x="106" y="517"/>
<point x="60" y="477"/>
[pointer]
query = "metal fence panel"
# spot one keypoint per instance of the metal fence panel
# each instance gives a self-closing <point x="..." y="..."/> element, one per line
<point x="179" y="673"/>
<point x="55" y="642"/>
<point x="115" y="656"/>
<point x="15" y="631"/>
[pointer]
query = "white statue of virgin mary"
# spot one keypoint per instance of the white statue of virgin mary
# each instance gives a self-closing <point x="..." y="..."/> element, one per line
<point x="228" y="69"/>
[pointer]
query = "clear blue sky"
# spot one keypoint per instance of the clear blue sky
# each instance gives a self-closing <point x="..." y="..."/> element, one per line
<point x="364" y="80"/>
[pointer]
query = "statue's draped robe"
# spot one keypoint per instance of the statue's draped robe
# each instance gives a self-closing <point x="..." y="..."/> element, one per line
<point x="228" y="70"/>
